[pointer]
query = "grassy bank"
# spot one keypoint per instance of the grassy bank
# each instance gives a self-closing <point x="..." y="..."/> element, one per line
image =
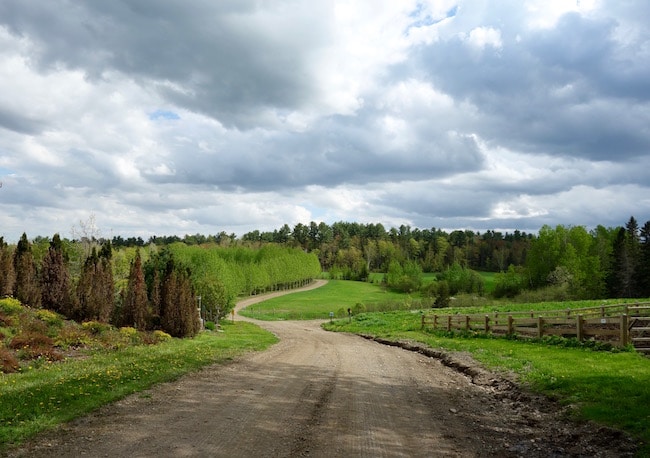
<point x="609" y="388"/>
<point x="36" y="399"/>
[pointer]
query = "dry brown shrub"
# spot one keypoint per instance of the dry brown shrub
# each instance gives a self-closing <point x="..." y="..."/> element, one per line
<point x="32" y="345"/>
<point x="8" y="362"/>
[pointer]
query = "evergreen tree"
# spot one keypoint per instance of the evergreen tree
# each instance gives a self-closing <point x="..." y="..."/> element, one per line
<point x="26" y="288"/>
<point x="55" y="279"/>
<point x="643" y="270"/>
<point x="633" y="247"/>
<point x="178" y="313"/>
<point x="7" y="272"/>
<point x="620" y="278"/>
<point x="135" y="309"/>
<point x="95" y="291"/>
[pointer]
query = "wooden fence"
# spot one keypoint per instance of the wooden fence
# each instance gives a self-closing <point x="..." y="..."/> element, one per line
<point x="620" y="324"/>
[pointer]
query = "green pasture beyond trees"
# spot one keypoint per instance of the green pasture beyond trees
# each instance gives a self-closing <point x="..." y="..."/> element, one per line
<point x="43" y="397"/>
<point x="611" y="388"/>
<point x="336" y="297"/>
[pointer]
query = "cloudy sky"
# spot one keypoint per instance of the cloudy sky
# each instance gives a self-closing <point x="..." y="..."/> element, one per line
<point x="197" y="116"/>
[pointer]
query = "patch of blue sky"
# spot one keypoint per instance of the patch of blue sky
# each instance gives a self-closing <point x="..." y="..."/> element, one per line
<point x="163" y="114"/>
<point x="424" y="20"/>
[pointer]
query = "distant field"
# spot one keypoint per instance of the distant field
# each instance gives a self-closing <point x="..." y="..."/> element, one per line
<point x="339" y="295"/>
<point x="318" y="303"/>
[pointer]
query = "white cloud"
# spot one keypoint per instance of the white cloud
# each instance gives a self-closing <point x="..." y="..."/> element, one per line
<point x="247" y="115"/>
<point x="481" y="37"/>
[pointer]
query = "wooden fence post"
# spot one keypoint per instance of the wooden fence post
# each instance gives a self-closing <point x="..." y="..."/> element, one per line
<point x="467" y="327"/>
<point x="422" y="322"/>
<point x="624" y="330"/>
<point x="511" y="328"/>
<point x="487" y="323"/>
<point x="448" y="322"/>
<point x="579" y="330"/>
<point x="435" y="321"/>
<point x="540" y="327"/>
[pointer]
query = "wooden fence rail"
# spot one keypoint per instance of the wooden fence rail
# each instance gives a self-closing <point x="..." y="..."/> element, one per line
<point x="620" y="324"/>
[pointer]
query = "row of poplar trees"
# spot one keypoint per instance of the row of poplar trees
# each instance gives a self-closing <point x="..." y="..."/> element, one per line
<point x="163" y="299"/>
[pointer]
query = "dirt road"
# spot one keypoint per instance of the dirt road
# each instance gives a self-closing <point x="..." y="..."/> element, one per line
<point x="325" y="394"/>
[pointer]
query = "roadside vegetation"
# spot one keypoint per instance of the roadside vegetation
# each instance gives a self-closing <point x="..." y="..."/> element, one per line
<point x="609" y="387"/>
<point x="57" y="369"/>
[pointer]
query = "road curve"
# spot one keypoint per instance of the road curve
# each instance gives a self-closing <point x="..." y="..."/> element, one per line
<point x="315" y="393"/>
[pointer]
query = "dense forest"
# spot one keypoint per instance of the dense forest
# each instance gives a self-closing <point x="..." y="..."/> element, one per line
<point x="162" y="282"/>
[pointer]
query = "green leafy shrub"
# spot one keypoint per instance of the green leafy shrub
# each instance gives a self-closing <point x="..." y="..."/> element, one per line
<point x="49" y="317"/>
<point x="209" y="325"/>
<point x="10" y="306"/>
<point x="95" y="327"/>
<point x="161" y="336"/>
<point x="131" y="335"/>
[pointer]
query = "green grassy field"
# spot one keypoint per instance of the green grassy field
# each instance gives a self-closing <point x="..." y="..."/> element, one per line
<point x="43" y="397"/>
<point x="335" y="296"/>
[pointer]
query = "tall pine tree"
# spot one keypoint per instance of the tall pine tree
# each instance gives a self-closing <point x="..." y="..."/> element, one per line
<point x="27" y="288"/>
<point x="7" y="273"/>
<point x="179" y="316"/>
<point x="95" y="290"/>
<point x="55" y="279"/>
<point x="135" y="310"/>
<point x="643" y="268"/>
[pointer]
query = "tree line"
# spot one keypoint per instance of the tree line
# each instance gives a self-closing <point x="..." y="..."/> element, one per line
<point x="568" y="261"/>
<point x="169" y="288"/>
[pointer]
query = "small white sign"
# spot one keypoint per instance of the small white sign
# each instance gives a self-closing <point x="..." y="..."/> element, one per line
<point x="603" y="321"/>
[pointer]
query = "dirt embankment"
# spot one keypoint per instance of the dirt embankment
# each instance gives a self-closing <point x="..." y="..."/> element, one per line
<point x="326" y="394"/>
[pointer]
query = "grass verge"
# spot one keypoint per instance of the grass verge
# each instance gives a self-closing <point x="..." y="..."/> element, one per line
<point x="610" y="388"/>
<point x="43" y="397"/>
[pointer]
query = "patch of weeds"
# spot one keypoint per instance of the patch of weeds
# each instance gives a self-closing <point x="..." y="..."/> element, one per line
<point x="95" y="328"/>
